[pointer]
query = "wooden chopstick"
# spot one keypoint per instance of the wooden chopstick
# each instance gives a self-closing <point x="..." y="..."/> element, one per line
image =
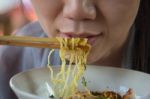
<point x="30" y="41"/>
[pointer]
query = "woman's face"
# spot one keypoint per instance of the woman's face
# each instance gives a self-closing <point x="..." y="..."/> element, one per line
<point x="105" y="23"/>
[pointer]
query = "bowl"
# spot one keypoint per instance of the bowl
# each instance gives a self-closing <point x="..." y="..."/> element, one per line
<point x="31" y="84"/>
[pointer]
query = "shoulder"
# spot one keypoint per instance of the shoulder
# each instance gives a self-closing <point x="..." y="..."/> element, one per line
<point x="10" y="55"/>
<point x="31" y="29"/>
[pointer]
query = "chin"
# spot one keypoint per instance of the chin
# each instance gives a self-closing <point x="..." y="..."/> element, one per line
<point x="91" y="60"/>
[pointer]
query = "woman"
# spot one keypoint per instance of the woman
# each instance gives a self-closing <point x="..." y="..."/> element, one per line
<point x="118" y="31"/>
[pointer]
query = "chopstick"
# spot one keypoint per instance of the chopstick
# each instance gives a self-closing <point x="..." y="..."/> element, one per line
<point x="30" y="41"/>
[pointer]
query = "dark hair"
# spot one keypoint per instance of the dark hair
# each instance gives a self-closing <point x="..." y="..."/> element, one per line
<point x="141" y="45"/>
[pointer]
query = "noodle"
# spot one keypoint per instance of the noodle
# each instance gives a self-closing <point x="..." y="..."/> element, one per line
<point x="66" y="81"/>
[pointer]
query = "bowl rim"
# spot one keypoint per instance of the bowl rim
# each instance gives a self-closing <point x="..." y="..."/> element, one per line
<point x="26" y="94"/>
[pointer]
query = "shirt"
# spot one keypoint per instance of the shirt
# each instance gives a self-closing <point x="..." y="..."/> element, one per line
<point x="15" y="59"/>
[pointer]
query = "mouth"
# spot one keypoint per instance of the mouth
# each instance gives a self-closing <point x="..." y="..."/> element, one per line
<point x="91" y="38"/>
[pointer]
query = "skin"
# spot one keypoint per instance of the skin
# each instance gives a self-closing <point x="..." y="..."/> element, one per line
<point x="106" y="24"/>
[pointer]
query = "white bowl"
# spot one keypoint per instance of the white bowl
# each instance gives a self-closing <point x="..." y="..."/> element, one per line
<point x="31" y="84"/>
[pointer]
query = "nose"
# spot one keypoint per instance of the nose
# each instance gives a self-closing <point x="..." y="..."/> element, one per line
<point x="79" y="10"/>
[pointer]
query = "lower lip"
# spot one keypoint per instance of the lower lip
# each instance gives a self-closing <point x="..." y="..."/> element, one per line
<point x="92" y="40"/>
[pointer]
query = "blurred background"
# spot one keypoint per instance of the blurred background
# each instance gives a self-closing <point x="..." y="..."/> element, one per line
<point x="14" y="14"/>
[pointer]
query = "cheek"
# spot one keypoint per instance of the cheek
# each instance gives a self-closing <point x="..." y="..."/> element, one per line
<point x="47" y="12"/>
<point x="107" y="45"/>
<point x="119" y="23"/>
<point x="118" y="13"/>
<point x="47" y="8"/>
<point x="119" y="17"/>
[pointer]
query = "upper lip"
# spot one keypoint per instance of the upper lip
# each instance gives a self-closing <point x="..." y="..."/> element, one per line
<point x="80" y="35"/>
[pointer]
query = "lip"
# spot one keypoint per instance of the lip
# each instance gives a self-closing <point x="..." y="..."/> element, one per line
<point x="91" y="38"/>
